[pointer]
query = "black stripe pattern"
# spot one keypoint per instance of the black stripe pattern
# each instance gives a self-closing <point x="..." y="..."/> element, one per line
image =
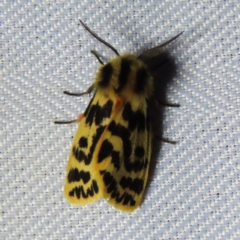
<point x="121" y="69"/>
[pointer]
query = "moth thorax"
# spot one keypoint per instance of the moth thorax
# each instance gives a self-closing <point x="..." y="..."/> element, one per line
<point x="125" y="75"/>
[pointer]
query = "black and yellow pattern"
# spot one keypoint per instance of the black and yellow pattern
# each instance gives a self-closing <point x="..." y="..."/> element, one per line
<point x="112" y="147"/>
<point x="111" y="150"/>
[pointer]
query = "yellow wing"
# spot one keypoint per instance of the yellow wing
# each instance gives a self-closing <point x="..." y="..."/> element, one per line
<point x="123" y="155"/>
<point x="83" y="180"/>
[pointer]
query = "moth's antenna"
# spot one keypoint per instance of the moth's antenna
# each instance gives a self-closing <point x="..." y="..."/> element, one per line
<point x="169" y="41"/>
<point x="153" y="52"/>
<point x="98" y="38"/>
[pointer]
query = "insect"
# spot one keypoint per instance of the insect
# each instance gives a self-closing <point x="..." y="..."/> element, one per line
<point x="112" y="148"/>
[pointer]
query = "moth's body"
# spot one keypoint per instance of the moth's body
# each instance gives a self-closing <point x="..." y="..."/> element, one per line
<point x="112" y="147"/>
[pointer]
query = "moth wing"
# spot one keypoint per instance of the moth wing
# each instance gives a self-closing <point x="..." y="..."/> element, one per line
<point x="82" y="184"/>
<point x="123" y="157"/>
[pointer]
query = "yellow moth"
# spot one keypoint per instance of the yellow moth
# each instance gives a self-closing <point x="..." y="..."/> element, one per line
<point x="112" y="148"/>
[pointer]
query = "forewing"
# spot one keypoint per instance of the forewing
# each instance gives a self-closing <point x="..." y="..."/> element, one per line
<point x="123" y="157"/>
<point x="82" y="181"/>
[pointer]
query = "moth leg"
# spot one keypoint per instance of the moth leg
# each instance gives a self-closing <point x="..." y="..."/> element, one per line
<point x="166" y="104"/>
<point x="79" y="118"/>
<point x="168" y="141"/>
<point x="65" y="122"/>
<point x="88" y="91"/>
<point x="164" y="139"/>
<point x="97" y="55"/>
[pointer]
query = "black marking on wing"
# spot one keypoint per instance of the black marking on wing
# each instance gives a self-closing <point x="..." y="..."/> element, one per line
<point x="139" y="151"/>
<point x="122" y="132"/>
<point x="123" y="75"/>
<point x="135" y="119"/>
<point x="136" y="165"/>
<point x="83" y="142"/>
<point x="106" y="150"/>
<point x="89" y="105"/>
<point x="106" y="75"/>
<point x="95" y="139"/>
<point x="80" y="193"/>
<point x="80" y="155"/>
<point x="111" y="185"/>
<point x="119" y="130"/>
<point x="136" y="184"/>
<point x="75" y="175"/>
<point x="98" y="113"/>
<point x="115" y="160"/>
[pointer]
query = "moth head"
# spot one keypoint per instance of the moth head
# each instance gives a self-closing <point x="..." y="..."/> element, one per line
<point x="129" y="75"/>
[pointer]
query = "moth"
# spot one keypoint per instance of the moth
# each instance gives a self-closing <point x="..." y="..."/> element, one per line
<point x="112" y="148"/>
